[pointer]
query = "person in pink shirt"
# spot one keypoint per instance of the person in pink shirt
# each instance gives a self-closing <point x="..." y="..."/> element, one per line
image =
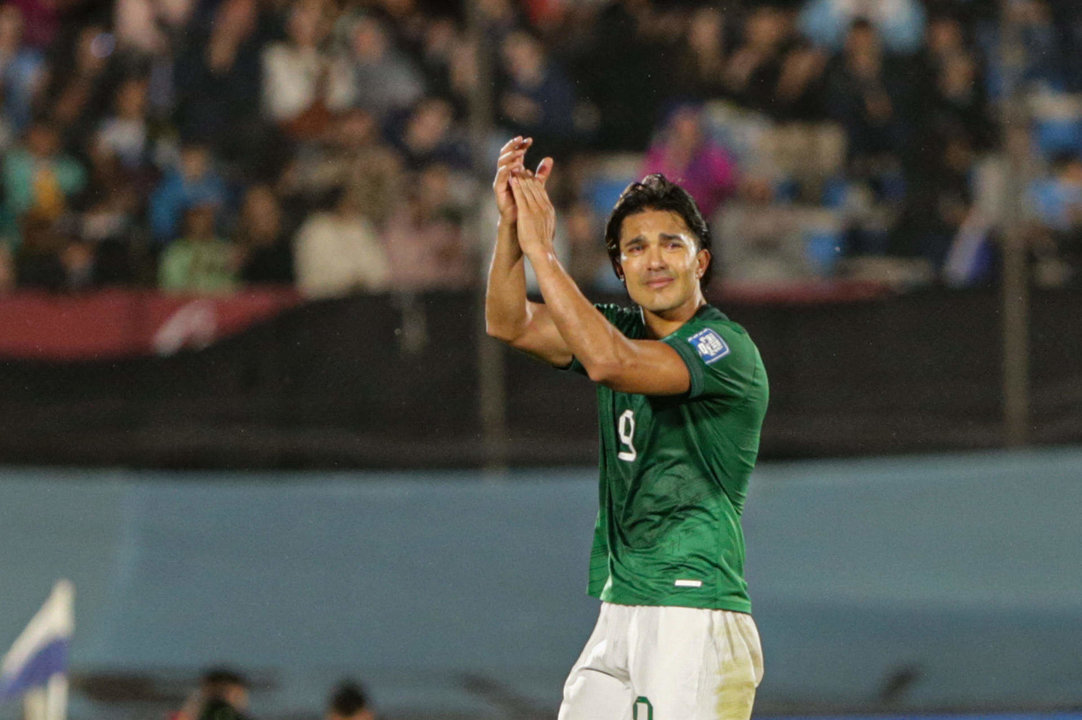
<point x="684" y="152"/>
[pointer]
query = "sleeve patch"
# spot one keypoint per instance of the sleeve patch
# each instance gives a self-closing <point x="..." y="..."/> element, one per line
<point x="710" y="346"/>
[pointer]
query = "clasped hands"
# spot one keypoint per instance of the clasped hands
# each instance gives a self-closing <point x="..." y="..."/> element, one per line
<point x="522" y="198"/>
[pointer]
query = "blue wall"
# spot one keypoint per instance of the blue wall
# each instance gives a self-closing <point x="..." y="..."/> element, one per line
<point x="966" y="569"/>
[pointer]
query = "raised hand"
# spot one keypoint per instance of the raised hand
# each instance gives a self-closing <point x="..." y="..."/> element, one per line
<point x="536" y="215"/>
<point x="511" y="163"/>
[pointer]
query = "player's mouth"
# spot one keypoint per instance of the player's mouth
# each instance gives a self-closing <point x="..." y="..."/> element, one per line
<point x="659" y="283"/>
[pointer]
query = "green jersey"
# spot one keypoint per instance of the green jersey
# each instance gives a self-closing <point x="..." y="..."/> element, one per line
<point x="674" y="472"/>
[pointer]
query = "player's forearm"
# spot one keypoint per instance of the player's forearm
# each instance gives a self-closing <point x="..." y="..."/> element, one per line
<point x="506" y="310"/>
<point x="589" y="336"/>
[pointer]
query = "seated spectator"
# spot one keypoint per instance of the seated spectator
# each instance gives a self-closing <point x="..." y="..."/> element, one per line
<point x="588" y="263"/>
<point x="49" y="259"/>
<point x="900" y="22"/>
<point x="700" y="56"/>
<point x="685" y="153"/>
<point x="337" y="252"/>
<point x="303" y="86"/>
<point x="752" y="73"/>
<point x="199" y="262"/>
<point x="537" y="99"/>
<point x="428" y="135"/>
<point x="124" y="134"/>
<point x="219" y="84"/>
<point x="38" y="177"/>
<point x="108" y="220"/>
<point x="424" y="238"/>
<point x="1057" y="204"/>
<point x="867" y="98"/>
<point x="383" y="79"/>
<point x="266" y="256"/>
<point x="349" y="702"/>
<point x="192" y="181"/>
<point x="22" y="69"/>
<point x="81" y="90"/>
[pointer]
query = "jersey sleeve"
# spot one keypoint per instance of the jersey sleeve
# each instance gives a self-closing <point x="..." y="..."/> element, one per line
<point x="720" y="357"/>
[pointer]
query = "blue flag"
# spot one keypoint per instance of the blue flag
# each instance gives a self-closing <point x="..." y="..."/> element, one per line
<point x="41" y="651"/>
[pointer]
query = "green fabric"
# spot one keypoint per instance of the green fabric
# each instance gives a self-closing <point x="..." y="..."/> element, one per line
<point x="674" y="472"/>
<point x="198" y="266"/>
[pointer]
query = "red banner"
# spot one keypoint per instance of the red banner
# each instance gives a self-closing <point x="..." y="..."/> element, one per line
<point x="124" y="323"/>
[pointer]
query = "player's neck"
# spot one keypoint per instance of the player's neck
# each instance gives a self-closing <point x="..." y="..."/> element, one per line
<point x="665" y="323"/>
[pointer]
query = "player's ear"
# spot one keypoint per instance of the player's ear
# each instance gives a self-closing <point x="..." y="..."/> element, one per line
<point x="702" y="262"/>
<point x="617" y="268"/>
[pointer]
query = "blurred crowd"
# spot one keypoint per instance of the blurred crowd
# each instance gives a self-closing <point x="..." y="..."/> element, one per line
<point x="207" y="145"/>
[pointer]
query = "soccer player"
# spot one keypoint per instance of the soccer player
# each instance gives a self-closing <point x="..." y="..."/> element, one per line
<point x="681" y="396"/>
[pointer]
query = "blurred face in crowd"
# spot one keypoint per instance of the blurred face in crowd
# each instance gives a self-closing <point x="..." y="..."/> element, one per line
<point x="661" y="260"/>
<point x="194" y="162"/>
<point x="369" y="40"/>
<point x="524" y="58"/>
<point x="200" y="221"/>
<point x="261" y="215"/>
<point x="42" y="140"/>
<point x="131" y="99"/>
<point x="685" y="128"/>
<point x="307" y="26"/>
<point x="766" y="28"/>
<point x="706" y="30"/>
<point x="434" y="187"/>
<point x="11" y="28"/>
<point x="945" y="35"/>
<point x="429" y="123"/>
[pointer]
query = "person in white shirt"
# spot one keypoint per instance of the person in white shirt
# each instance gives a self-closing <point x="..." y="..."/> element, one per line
<point x="338" y="252"/>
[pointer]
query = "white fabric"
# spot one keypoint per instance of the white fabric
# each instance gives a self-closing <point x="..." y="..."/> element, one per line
<point x="337" y="255"/>
<point x="665" y="663"/>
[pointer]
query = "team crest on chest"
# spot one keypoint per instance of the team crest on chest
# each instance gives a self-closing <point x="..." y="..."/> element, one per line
<point x="709" y="345"/>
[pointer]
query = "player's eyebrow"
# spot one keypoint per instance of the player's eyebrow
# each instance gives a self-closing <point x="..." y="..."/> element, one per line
<point x="670" y="236"/>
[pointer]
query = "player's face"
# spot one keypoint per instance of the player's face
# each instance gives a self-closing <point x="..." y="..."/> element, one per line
<point x="661" y="260"/>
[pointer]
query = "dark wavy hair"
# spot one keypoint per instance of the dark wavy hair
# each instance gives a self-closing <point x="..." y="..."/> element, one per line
<point x="656" y="192"/>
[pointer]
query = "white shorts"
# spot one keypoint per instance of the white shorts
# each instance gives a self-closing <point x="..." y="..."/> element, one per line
<point x="665" y="663"/>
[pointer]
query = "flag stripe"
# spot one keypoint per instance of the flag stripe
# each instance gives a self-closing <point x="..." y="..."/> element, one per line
<point x="50" y="659"/>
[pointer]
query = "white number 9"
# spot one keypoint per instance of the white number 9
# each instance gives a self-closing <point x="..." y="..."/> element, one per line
<point x="626" y="430"/>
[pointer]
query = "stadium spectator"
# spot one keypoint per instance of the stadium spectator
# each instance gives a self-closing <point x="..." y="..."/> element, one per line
<point x="219" y="80"/>
<point x="428" y="135"/>
<point x="349" y="701"/>
<point x="752" y="73"/>
<point x="383" y="78"/>
<point x="537" y="98"/>
<point x="621" y="75"/>
<point x="424" y="240"/>
<point x="266" y="255"/>
<point x="49" y="259"/>
<point x="199" y="262"/>
<point x="38" y="177"/>
<point x="684" y="152"/>
<point x="83" y="89"/>
<point x="192" y="180"/>
<point x="303" y="83"/>
<point x="1057" y="205"/>
<point x="866" y="95"/>
<point x="125" y="134"/>
<point x="109" y="210"/>
<point x="22" y="70"/>
<point x="900" y="22"/>
<point x="337" y="252"/>
<point x="699" y="66"/>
